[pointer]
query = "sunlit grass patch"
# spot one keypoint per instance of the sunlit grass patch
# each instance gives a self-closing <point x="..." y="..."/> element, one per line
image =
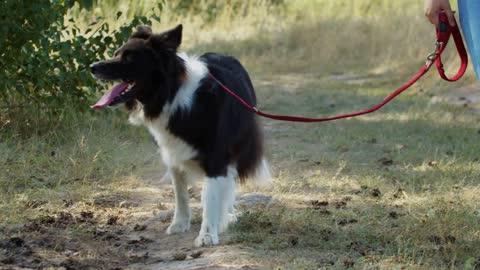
<point x="68" y="165"/>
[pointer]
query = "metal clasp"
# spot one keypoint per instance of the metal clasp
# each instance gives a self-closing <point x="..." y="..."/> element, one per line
<point x="433" y="55"/>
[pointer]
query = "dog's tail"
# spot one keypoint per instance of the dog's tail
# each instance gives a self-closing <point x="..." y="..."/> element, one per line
<point x="262" y="175"/>
<point x="251" y="164"/>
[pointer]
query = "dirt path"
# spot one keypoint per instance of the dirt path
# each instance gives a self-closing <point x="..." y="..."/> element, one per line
<point x="162" y="251"/>
<point x="115" y="232"/>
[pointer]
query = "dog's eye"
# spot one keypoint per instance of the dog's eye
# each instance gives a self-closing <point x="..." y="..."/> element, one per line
<point x="127" y="56"/>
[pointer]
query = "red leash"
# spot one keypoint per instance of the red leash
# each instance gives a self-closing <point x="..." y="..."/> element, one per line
<point x="444" y="31"/>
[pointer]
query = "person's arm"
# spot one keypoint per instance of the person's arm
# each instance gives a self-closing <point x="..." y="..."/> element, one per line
<point x="433" y="7"/>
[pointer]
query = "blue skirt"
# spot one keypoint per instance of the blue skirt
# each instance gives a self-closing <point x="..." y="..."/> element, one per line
<point x="470" y="21"/>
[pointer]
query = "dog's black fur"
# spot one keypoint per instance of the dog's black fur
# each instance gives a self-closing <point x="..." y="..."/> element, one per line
<point x="216" y="125"/>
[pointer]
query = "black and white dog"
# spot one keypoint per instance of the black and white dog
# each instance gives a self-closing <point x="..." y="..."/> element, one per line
<point x="202" y="132"/>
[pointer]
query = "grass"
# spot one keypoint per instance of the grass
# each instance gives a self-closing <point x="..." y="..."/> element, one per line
<point x="408" y="176"/>
<point x="69" y="164"/>
<point x="397" y="189"/>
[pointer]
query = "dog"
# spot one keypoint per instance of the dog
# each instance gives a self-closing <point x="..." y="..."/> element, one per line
<point x="202" y="132"/>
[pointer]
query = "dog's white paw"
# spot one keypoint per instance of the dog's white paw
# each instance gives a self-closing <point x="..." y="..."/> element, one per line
<point x="206" y="240"/>
<point x="232" y="218"/>
<point x="178" y="227"/>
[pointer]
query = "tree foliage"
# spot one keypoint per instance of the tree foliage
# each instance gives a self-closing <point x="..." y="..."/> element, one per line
<point x="44" y="56"/>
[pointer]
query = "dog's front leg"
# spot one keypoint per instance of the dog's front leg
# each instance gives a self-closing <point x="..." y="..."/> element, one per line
<point x="181" y="217"/>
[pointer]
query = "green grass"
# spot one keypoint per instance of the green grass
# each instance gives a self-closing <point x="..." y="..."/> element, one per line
<point x="72" y="163"/>
<point x="422" y="158"/>
<point x="401" y="184"/>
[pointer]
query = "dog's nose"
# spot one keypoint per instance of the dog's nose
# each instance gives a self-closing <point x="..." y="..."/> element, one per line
<point x="93" y="67"/>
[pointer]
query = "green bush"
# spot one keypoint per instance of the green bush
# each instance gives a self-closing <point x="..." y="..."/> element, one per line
<point x="45" y="56"/>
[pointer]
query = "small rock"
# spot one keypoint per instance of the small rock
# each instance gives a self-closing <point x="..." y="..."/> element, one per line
<point x="293" y="240"/>
<point x="180" y="256"/>
<point x="375" y="192"/>
<point x="316" y="204"/>
<point x="112" y="220"/>
<point x="196" y="254"/>
<point x="393" y="215"/>
<point x="344" y="222"/>
<point x="139" y="227"/>
<point x="254" y="199"/>
<point x="386" y="161"/>
<point x="340" y="204"/>
<point x="86" y="215"/>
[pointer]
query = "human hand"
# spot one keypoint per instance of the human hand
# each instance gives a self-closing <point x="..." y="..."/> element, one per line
<point x="433" y="7"/>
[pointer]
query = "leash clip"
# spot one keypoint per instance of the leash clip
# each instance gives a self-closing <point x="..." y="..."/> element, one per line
<point x="433" y="55"/>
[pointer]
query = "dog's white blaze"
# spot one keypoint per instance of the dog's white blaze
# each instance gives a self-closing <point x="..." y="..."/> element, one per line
<point x="196" y="71"/>
<point x="174" y="151"/>
<point x="218" y="197"/>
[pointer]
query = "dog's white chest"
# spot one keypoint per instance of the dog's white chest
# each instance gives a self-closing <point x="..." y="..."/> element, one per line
<point x="174" y="151"/>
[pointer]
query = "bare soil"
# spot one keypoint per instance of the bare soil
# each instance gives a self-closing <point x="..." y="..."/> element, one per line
<point x="114" y="232"/>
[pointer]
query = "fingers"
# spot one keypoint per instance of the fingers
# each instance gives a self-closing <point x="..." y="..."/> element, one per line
<point x="432" y="17"/>
<point x="433" y="7"/>
<point x="451" y="17"/>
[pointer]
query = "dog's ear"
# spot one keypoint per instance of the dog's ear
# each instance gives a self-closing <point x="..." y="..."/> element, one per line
<point x="169" y="40"/>
<point x="143" y="32"/>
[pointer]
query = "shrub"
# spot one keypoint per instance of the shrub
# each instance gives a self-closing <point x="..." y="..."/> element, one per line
<point x="45" y="56"/>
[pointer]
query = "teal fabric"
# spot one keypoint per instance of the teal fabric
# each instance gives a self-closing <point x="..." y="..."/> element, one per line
<point x="470" y="20"/>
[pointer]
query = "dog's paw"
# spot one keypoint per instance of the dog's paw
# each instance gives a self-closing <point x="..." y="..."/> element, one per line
<point x="206" y="240"/>
<point x="178" y="227"/>
<point x="232" y="218"/>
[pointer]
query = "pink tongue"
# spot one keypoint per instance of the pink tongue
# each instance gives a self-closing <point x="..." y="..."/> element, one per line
<point x="110" y="95"/>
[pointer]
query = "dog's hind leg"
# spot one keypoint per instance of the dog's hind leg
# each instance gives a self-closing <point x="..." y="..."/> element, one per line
<point x="227" y="214"/>
<point x="181" y="217"/>
<point x="217" y="199"/>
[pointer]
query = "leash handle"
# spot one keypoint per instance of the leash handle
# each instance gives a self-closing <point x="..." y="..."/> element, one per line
<point x="444" y="32"/>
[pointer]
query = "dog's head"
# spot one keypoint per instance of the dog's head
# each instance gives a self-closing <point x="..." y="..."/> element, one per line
<point x="147" y="66"/>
